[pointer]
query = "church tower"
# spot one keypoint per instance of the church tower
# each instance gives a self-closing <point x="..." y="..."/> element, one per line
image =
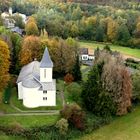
<point x="46" y="66"/>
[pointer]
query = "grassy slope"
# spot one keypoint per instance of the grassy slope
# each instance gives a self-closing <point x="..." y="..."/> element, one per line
<point x="123" y="50"/>
<point x="123" y="128"/>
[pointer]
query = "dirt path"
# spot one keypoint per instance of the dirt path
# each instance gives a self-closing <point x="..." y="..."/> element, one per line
<point x="129" y="56"/>
<point x="31" y="114"/>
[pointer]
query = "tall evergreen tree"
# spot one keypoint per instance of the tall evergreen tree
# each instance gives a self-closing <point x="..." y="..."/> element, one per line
<point x="76" y="72"/>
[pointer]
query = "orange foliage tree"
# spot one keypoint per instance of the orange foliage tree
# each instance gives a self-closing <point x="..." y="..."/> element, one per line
<point x="30" y="50"/>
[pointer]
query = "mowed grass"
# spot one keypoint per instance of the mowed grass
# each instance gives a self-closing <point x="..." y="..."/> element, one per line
<point x="122" y="128"/>
<point x="29" y="121"/>
<point x="121" y="49"/>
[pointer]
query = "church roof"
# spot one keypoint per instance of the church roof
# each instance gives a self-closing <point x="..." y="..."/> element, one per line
<point x="30" y="74"/>
<point x="46" y="61"/>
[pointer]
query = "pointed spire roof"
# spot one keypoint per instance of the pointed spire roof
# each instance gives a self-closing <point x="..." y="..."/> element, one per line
<point x="46" y="61"/>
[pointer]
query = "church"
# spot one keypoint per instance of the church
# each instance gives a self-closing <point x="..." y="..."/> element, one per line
<point x="36" y="87"/>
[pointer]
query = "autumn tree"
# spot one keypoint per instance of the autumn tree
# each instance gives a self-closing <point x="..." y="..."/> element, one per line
<point x="116" y="81"/>
<point x="31" y="49"/>
<point x="62" y="54"/>
<point x="137" y="31"/>
<point x="31" y="27"/>
<point x="4" y="64"/>
<point x="111" y="29"/>
<point x="108" y="88"/>
<point x="68" y="78"/>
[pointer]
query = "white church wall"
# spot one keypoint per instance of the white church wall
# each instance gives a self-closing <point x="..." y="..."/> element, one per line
<point x="20" y="91"/>
<point x="30" y="97"/>
<point x="47" y="99"/>
<point x="45" y="74"/>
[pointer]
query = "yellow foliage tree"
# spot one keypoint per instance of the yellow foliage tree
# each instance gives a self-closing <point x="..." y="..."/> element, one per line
<point x="31" y="27"/>
<point x="111" y="29"/>
<point x="4" y="64"/>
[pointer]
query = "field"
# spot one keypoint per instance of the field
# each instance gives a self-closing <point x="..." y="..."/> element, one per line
<point x="122" y="128"/>
<point x="28" y="121"/>
<point x="124" y="50"/>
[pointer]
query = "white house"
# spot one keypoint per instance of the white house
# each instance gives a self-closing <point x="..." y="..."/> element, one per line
<point x="35" y="84"/>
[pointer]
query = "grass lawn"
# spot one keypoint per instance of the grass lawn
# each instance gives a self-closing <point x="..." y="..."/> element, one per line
<point x="5" y="137"/>
<point x="123" y="50"/>
<point x="29" y="121"/>
<point x="122" y="128"/>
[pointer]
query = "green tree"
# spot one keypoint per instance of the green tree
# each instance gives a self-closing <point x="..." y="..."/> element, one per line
<point x="94" y="97"/>
<point x="16" y="43"/>
<point x="123" y="34"/>
<point x="77" y="13"/>
<point x="76" y="72"/>
<point x="100" y="33"/>
<point x="18" y="21"/>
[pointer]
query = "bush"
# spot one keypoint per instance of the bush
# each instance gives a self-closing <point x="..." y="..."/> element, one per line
<point x="62" y="126"/>
<point x="93" y="122"/>
<point x="136" y="87"/>
<point x="68" y="78"/>
<point x="7" y="95"/>
<point x="75" y="116"/>
<point x="74" y="92"/>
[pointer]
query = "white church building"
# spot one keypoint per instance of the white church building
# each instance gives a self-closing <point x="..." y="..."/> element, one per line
<point x="35" y="84"/>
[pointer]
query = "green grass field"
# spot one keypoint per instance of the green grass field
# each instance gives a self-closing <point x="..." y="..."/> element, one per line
<point x="29" y="121"/>
<point x="122" y="128"/>
<point x="121" y="49"/>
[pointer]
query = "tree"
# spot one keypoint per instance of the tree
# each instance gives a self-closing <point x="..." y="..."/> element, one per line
<point x="16" y="43"/>
<point x="116" y="81"/>
<point x="31" y="49"/>
<point x="137" y="31"/>
<point x="74" y="114"/>
<point x="74" y="30"/>
<point x="68" y="78"/>
<point x="111" y="29"/>
<point x="31" y="27"/>
<point x="62" y="126"/>
<point x="4" y="4"/>
<point x="62" y="55"/>
<point x="4" y="64"/>
<point x="77" y="13"/>
<point x="76" y="72"/>
<point x="108" y="89"/>
<point x="18" y="21"/>
<point x="94" y="97"/>
<point x="100" y="33"/>
<point x="123" y="34"/>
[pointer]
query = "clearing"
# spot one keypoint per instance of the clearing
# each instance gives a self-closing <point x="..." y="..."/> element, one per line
<point x="127" y="52"/>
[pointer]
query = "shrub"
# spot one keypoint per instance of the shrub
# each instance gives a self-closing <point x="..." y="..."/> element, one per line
<point x="68" y="78"/>
<point x="7" y="95"/>
<point x="16" y="127"/>
<point x="136" y="87"/>
<point x="75" y="116"/>
<point x="74" y="91"/>
<point x="62" y="126"/>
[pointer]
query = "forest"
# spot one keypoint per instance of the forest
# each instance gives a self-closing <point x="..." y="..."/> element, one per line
<point x="103" y="21"/>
